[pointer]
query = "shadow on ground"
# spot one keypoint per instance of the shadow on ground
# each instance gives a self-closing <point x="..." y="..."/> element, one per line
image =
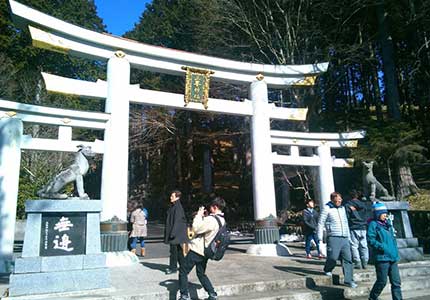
<point x="160" y="267"/>
<point x="298" y="271"/>
<point x="172" y="286"/>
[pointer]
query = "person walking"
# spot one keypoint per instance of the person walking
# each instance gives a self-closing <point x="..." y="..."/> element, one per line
<point x="357" y="212"/>
<point x="175" y="233"/>
<point x="380" y="236"/>
<point x="138" y="219"/>
<point x="310" y="219"/>
<point x="333" y="219"/>
<point x="205" y="229"/>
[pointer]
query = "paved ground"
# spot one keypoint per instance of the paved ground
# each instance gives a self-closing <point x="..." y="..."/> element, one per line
<point x="236" y="268"/>
<point x="237" y="272"/>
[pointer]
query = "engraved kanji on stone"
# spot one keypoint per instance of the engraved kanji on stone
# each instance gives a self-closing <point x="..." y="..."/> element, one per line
<point x="63" y="244"/>
<point x="63" y="225"/>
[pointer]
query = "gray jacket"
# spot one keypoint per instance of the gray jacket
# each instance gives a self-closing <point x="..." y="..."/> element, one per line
<point x="334" y="220"/>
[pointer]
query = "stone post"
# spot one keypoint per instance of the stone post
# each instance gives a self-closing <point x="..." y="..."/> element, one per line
<point x="114" y="188"/>
<point x="262" y="168"/>
<point x="10" y="159"/>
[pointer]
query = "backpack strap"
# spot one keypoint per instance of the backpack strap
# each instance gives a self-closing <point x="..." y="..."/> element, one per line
<point x="218" y="221"/>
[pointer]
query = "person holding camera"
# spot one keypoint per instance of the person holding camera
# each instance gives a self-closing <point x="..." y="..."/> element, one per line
<point x="205" y="229"/>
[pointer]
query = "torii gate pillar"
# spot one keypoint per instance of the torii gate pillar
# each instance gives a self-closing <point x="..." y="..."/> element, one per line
<point x="114" y="189"/>
<point x="10" y="158"/>
<point x="325" y="178"/>
<point x="266" y="229"/>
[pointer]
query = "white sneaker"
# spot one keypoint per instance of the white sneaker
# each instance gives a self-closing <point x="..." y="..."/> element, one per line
<point x="328" y="274"/>
<point x="351" y="284"/>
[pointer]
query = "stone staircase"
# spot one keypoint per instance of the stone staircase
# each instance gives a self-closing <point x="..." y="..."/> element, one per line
<point x="415" y="285"/>
<point x="415" y="276"/>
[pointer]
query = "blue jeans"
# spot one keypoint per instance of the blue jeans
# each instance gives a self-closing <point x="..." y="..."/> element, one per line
<point x="386" y="269"/>
<point x="134" y="242"/>
<point x="308" y="239"/>
<point x="359" y="249"/>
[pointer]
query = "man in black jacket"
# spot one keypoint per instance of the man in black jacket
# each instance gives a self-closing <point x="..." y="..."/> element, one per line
<point x="175" y="232"/>
<point x="310" y="219"/>
<point x="358" y="213"/>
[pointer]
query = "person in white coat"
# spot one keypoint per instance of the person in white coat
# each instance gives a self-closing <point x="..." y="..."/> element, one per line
<point x="333" y="218"/>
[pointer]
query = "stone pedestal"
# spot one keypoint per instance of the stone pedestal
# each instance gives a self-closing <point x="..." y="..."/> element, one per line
<point x="114" y="238"/>
<point x="406" y="242"/>
<point x="61" y="250"/>
<point x="266" y="231"/>
<point x="114" y="235"/>
<point x="266" y="241"/>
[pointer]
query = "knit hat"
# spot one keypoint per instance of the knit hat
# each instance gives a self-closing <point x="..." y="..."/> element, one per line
<point x="379" y="208"/>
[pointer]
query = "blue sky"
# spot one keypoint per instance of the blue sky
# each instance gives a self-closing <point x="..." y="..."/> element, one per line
<point x="120" y="16"/>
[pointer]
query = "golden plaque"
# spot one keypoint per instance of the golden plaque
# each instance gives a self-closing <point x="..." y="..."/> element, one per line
<point x="197" y="86"/>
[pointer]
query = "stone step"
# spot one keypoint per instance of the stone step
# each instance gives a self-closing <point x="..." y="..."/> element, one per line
<point x="238" y="289"/>
<point x="412" y="269"/>
<point x="408" y="295"/>
<point x="295" y="294"/>
<point x="408" y="284"/>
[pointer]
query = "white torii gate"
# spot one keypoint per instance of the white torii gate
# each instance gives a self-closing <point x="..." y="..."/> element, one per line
<point x="122" y="54"/>
<point x="323" y="143"/>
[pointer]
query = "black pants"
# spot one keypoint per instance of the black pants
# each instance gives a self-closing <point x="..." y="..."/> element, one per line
<point x="176" y="255"/>
<point x="193" y="259"/>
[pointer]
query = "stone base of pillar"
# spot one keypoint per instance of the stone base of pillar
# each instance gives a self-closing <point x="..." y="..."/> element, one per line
<point x="409" y="250"/>
<point x="121" y="259"/>
<point x="6" y="264"/>
<point x="114" y="242"/>
<point x="269" y="250"/>
<point x="266" y="242"/>
<point x="114" y="235"/>
<point x="266" y="231"/>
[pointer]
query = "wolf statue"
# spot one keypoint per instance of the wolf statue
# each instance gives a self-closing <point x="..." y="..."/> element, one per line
<point x="75" y="172"/>
<point x="371" y="185"/>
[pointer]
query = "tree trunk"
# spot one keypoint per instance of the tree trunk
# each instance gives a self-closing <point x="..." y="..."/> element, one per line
<point x="406" y="185"/>
<point x="392" y="97"/>
<point x="390" y="178"/>
<point x="376" y="90"/>
<point x="207" y="169"/>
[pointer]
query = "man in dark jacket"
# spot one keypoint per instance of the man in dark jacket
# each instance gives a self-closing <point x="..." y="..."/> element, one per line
<point x="358" y="213"/>
<point x="310" y="219"/>
<point x="175" y="232"/>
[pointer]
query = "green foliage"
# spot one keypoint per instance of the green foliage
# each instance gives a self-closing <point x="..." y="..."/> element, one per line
<point x="420" y="201"/>
<point x="37" y="168"/>
<point x="20" y="80"/>
<point x="395" y="142"/>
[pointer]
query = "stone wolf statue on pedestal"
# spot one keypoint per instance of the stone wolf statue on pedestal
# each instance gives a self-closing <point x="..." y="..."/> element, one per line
<point x="75" y="172"/>
<point x="371" y="185"/>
